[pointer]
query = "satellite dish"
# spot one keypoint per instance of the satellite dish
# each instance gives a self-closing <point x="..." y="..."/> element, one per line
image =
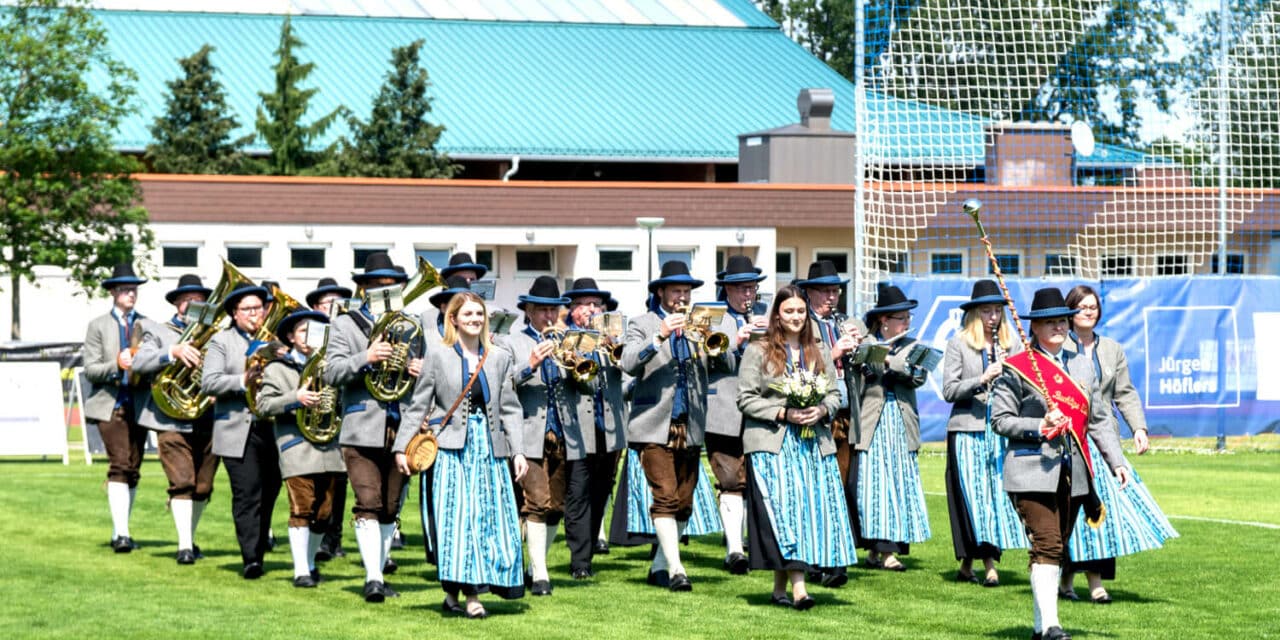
<point x="1082" y="138"/>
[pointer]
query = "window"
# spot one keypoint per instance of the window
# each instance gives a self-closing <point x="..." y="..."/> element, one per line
<point x="1171" y="265"/>
<point x="485" y="257"/>
<point x="180" y="256"/>
<point x="360" y="254"/>
<point x="1117" y="266"/>
<point x="721" y="256"/>
<point x="534" y="261"/>
<point x="679" y="255"/>
<point x="306" y="257"/>
<point x="1010" y="264"/>
<point x="439" y="258"/>
<point x="1235" y="263"/>
<point x="784" y="264"/>
<point x="1057" y="264"/>
<point x="946" y="264"/>
<point x="892" y="261"/>
<point x="615" y="259"/>
<point x="839" y="258"/>
<point x="245" y="257"/>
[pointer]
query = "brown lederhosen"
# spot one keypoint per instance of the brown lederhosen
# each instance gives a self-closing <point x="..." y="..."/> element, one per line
<point x="375" y="480"/>
<point x="672" y="474"/>
<point x="125" y="442"/>
<point x="311" y="499"/>
<point x="544" y="483"/>
<point x="725" y="454"/>
<point x="1049" y="519"/>
<point x="840" y="434"/>
<point x="188" y="461"/>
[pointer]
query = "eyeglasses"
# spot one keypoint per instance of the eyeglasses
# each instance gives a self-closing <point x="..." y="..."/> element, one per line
<point x="250" y="310"/>
<point x="1088" y="307"/>
<point x="902" y="317"/>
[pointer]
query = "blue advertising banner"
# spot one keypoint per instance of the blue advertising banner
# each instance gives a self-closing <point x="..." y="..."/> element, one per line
<point x="1204" y="353"/>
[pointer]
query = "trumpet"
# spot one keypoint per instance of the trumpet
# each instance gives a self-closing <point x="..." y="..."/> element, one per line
<point x="573" y="363"/>
<point x="713" y="343"/>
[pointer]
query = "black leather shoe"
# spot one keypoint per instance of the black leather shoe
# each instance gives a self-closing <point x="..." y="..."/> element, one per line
<point x="315" y="575"/>
<point x="835" y="579"/>
<point x="583" y="574"/>
<point x="390" y="567"/>
<point x="601" y="548"/>
<point x="195" y="548"/>
<point x="374" y="591"/>
<point x="541" y="588"/>
<point x="455" y="608"/>
<point x="397" y="541"/>
<point x="1069" y="594"/>
<point x="389" y="592"/>
<point x="737" y="564"/>
<point x="186" y="556"/>
<point x="781" y="601"/>
<point x="324" y="553"/>
<point x="813" y="575"/>
<point x="1055" y="633"/>
<point x="122" y="544"/>
<point x="252" y="571"/>
<point x="304" y="582"/>
<point x="804" y="604"/>
<point x="680" y="582"/>
<point x="659" y="578"/>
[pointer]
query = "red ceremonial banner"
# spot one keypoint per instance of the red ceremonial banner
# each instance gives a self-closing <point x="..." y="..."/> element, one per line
<point x="1062" y="391"/>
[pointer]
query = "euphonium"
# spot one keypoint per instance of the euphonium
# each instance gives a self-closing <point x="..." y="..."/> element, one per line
<point x="282" y="304"/>
<point x="390" y="380"/>
<point x="319" y="423"/>
<point x="581" y="368"/>
<point x="176" y="389"/>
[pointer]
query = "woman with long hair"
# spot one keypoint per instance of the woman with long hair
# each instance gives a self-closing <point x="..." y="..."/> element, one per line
<point x="1134" y="521"/>
<point x="983" y="522"/>
<point x="468" y="391"/>
<point x="796" y="512"/>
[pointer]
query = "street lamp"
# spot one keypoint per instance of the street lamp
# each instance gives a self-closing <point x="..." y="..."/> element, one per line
<point x="650" y="223"/>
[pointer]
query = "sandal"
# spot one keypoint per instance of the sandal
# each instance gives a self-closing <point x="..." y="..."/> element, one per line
<point x="477" y="613"/>
<point x="896" y="566"/>
<point x="780" y="600"/>
<point x="966" y="577"/>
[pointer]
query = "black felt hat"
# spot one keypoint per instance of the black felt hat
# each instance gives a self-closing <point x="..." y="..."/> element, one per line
<point x="984" y="292"/>
<point x="821" y="273"/>
<point x="326" y="285"/>
<point x="583" y="287"/>
<point x="122" y="274"/>
<point x="1049" y="303"/>
<point x="889" y="299"/>
<point x="674" y="272"/>
<point x="453" y="286"/>
<point x="463" y="262"/>
<point x="233" y="298"/>
<point x="188" y="283"/>
<point x="739" y="270"/>
<point x="285" y="329"/>
<point x="379" y="265"/>
<point x="544" y="290"/>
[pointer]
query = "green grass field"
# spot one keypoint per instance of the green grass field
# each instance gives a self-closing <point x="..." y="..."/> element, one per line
<point x="59" y="578"/>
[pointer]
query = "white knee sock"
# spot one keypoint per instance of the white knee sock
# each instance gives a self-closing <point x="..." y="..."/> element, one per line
<point x="1044" y="589"/>
<point x="118" y="502"/>
<point x="369" y="542"/>
<point x="731" y="512"/>
<point x="551" y="539"/>
<point x="536" y="535"/>
<point x="182" y="519"/>
<point x="299" y="545"/>
<point x="387" y="531"/>
<point x="313" y="545"/>
<point x="669" y="543"/>
<point x="197" y="510"/>
<point x="133" y="495"/>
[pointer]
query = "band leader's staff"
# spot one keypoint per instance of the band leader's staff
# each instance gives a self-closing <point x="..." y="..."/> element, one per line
<point x="798" y="515"/>
<point x="739" y="283"/>
<point x="1045" y="470"/>
<point x="593" y="441"/>
<point x="115" y="399"/>
<point x="1135" y="521"/>
<point x="369" y="426"/>
<point x="185" y="448"/>
<point x="312" y="471"/>
<point x="549" y="399"/>
<point x="891" y="507"/>
<point x="246" y="443"/>
<point x="327" y="293"/>
<point x="983" y="522"/>
<point x="467" y="396"/>
<point x="668" y="413"/>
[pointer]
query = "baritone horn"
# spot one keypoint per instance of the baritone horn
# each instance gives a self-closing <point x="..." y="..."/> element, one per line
<point x="176" y="389"/>
<point x="390" y="379"/>
<point x="282" y="304"/>
<point x="319" y="423"/>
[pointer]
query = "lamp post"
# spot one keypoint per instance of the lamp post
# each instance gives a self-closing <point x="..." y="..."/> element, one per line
<point x="650" y="224"/>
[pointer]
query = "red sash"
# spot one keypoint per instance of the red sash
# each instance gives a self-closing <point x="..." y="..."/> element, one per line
<point x="1071" y="400"/>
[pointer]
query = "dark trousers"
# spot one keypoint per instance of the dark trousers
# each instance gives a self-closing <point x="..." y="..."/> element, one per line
<point x="255" y="485"/>
<point x="672" y="475"/>
<point x="378" y="486"/>
<point x="188" y="462"/>
<point x="543" y="484"/>
<point x="1049" y="519"/>
<point x="589" y="484"/>
<point x="125" y="442"/>
<point x="725" y="455"/>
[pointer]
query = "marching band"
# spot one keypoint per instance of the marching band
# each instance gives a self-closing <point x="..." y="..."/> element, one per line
<point x="808" y="419"/>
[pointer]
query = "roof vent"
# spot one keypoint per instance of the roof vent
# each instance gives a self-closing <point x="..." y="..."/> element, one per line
<point x="815" y="108"/>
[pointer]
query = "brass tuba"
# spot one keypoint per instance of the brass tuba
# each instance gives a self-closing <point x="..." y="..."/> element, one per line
<point x="282" y="304"/>
<point x="320" y="423"/>
<point x="176" y="389"/>
<point x="390" y="380"/>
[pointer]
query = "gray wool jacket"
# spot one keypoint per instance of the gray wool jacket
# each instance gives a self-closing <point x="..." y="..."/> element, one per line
<point x="760" y="404"/>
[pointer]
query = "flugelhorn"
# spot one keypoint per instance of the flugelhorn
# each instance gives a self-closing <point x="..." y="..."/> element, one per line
<point x="610" y="326"/>
<point x="390" y="379"/>
<point x="568" y="359"/>
<point x="176" y="389"/>
<point x="713" y="343"/>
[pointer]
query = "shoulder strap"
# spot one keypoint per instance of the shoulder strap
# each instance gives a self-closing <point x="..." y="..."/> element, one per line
<point x="361" y="322"/>
<point x="457" y="401"/>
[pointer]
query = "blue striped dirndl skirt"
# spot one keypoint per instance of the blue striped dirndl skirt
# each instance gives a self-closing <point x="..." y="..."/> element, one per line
<point x="1134" y="521"/>
<point x="805" y="502"/>
<point x="706" y="515"/>
<point x="477" y="524"/>
<point x="890" y="498"/>
<point x="980" y="463"/>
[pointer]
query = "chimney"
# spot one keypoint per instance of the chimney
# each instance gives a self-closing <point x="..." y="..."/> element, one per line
<point x="815" y="108"/>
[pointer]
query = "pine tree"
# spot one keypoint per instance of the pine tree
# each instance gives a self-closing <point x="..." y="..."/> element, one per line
<point x="194" y="134"/>
<point x="280" y="115"/>
<point x="398" y="141"/>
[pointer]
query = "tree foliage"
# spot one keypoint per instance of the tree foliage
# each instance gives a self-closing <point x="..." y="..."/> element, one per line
<point x="280" y="115"/>
<point x="194" y="134"/>
<point x="397" y="141"/>
<point x="67" y="196"/>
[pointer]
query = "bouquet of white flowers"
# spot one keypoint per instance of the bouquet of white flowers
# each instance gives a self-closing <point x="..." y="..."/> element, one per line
<point x="803" y="389"/>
